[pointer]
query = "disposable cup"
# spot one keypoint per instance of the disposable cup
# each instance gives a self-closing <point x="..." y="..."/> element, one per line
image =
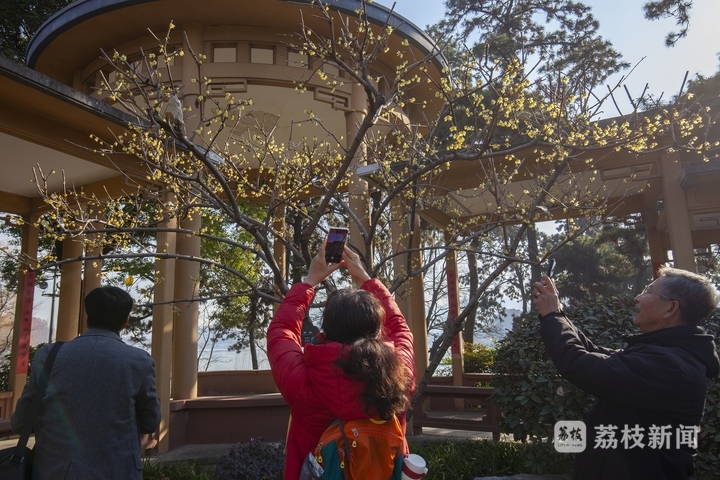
<point x="414" y="467"/>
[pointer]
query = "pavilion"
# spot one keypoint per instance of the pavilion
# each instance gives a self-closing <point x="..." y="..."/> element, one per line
<point x="49" y="109"/>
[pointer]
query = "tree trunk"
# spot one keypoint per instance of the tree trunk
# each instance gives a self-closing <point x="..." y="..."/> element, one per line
<point x="253" y="349"/>
<point x="251" y="331"/>
<point x="469" y="331"/>
<point x="535" y="269"/>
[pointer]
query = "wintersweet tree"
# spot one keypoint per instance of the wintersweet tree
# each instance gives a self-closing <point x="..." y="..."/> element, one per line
<point x="524" y="149"/>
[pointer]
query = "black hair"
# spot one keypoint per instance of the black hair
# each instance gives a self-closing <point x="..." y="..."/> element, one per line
<point x="387" y="380"/>
<point x="108" y="307"/>
<point x="355" y="317"/>
<point x="352" y="314"/>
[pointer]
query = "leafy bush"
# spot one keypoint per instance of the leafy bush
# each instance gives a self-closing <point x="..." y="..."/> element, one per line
<point x="175" y="471"/>
<point x="707" y="462"/>
<point x="254" y="460"/>
<point x="5" y="368"/>
<point x="533" y="397"/>
<point x="478" y="358"/>
<point x="468" y="459"/>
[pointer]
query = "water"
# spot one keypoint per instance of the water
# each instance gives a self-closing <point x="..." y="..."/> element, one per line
<point x="225" y="359"/>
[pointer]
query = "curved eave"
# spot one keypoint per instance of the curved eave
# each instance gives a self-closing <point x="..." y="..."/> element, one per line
<point x="381" y="15"/>
<point x="46" y="124"/>
<point x="67" y="18"/>
<point x="153" y="14"/>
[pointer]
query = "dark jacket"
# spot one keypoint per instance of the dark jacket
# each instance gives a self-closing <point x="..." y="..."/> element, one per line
<point x="659" y="380"/>
<point x="317" y="391"/>
<point x="100" y="399"/>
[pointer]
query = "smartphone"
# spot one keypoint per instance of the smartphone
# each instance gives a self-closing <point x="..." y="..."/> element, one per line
<point x="551" y="267"/>
<point x="336" y="239"/>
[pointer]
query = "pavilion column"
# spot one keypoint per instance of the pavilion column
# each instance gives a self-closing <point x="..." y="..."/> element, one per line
<point x="677" y="212"/>
<point x="658" y="254"/>
<point x="22" y="327"/>
<point x="162" y="328"/>
<point x="187" y="273"/>
<point x="456" y="348"/>
<point x="187" y="289"/>
<point x="410" y="297"/>
<point x="358" y="189"/>
<point x="92" y="279"/>
<point x="68" y="318"/>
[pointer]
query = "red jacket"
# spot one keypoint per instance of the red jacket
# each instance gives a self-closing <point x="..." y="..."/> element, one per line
<point x="316" y="390"/>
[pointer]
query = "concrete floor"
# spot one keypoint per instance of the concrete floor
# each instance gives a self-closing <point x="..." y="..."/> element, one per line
<point x="209" y="452"/>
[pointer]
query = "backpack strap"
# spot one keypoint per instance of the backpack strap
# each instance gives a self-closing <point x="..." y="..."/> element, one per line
<point x="347" y="443"/>
<point x="43" y="379"/>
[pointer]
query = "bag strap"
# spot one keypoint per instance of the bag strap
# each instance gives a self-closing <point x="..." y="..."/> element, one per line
<point x="43" y="379"/>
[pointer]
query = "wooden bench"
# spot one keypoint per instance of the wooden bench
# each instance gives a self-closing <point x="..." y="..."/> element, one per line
<point x="5" y="430"/>
<point x="483" y="417"/>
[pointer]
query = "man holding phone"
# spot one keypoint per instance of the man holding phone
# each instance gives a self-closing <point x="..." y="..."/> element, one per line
<point x="654" y="388"/>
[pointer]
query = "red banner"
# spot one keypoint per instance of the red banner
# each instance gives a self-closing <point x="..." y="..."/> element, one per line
<point x="23" y="358"/>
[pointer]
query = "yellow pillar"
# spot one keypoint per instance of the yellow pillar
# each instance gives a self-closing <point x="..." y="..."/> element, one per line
<point x="92" y="279"/>
<point x="24" y="300"/>
<point x="658" y="254"/>
<point x="68" y="319"/>
<point x="677" y="212"/>
<point x="185" y="339"/>
<point x="411" y="296"/>
<point x="162" y="328"/>
<point x="187" y="273"/>
<point x="358" y="188"/>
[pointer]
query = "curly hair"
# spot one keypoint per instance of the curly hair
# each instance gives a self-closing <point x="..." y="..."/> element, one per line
<point x="387" y="380"/>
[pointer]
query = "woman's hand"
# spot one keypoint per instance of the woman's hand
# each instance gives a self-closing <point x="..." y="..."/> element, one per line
<point x="545" y="296"/>
<point x="319" y="269"/>
<point x="354" y="265"/>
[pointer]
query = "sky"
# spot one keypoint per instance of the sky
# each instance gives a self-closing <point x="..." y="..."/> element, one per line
<point x="640" y="41"/>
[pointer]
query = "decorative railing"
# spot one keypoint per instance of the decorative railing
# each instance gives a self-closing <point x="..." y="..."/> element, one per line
<point x="438" y="407"/>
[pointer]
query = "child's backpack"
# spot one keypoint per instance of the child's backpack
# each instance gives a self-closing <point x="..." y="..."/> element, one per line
<point x="358" y="450"/>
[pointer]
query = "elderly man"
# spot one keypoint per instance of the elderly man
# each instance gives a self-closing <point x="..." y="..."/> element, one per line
<point x="100" y="400"/>
<point x="649" y="397"/>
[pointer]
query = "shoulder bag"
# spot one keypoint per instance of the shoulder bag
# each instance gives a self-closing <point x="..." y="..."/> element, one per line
<point x="16" y="462"/>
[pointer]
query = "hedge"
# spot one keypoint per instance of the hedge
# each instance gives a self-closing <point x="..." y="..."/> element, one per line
<point x="533" y="396"/>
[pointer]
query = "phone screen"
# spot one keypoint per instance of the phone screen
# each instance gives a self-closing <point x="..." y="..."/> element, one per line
<point x="551" y="267"/>
<point x="335" y="243"/>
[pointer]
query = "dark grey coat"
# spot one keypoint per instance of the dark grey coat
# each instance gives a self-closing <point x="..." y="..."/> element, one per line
<point x="100" y="399"/>
<point x="658" y="380"/>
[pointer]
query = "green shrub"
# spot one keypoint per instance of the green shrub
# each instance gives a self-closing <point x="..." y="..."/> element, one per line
<point x="5" y="368"/>
<point x="707" y="463"/>
<point x="533" y="397"/>
<point x="468" y="459"/>
<point x="175" y="471"/>
<point x="478" y="358"/>
<point x="254" y="460"/>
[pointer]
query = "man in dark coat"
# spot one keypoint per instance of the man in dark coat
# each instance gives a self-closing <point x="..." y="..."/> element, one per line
<point x="100" y="399"/>
<point x="649" y="397"/>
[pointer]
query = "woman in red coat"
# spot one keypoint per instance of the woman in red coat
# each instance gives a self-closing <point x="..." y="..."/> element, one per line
<point x="362" y="366"/>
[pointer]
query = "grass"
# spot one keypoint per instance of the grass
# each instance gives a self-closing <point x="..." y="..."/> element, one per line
<point x="461" y="460"/>
<point x="446" y="460"/>
<point x="177" y="471"/>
